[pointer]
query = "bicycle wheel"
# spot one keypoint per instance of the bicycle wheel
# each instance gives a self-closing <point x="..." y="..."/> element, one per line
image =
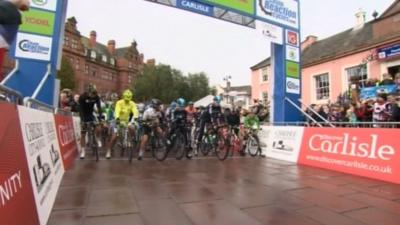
<point x="95" y="148"/>
<point x="205" y="146"/>
<point x="222" y="148"/>
<point x="179" y="146"/>
<point x="159" y="148"/>
<point x="253" y="145"/>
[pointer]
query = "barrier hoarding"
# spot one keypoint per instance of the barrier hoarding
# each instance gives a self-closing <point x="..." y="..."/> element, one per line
<point x="17" y="205"/>
<point x="281" y="143"/>
<point x="66" y="139"/>
<point x="372" y="153"/>
<point x="44" y="158"/>
<point x="77" y="129"/>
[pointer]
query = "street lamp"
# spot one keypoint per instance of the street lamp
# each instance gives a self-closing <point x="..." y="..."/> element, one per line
<point x="227" y="79"/>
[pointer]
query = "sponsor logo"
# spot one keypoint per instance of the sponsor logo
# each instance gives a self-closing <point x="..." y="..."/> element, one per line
<point x="292" y="69"/>
<point x="39" y="2"/>
<point x="292" y="38"/>
<point x="293" y="86"/>
<point x="350" y="145"/>
<point x="292" y="53"/>
<point x="33" y="47"/>
<point x="270" y="32"/>
<point x="281" y="146"/>
<point x="195" y="7"/>
<point x="278" y="9"/>
<point x="67" y="135"/>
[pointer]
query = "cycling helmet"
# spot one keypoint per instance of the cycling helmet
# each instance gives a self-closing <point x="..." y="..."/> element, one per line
<point x="190" y="103"/>
<point x="91" y="89"/>
<point x="181" y="102"/>
<point x="155" y="102"/>
<point x="114" y="97"/>
<point x="127" y="95"/>
<point x="173" y="105"/>
<point x="217" y="99"/>
<point x="141" y="107"/>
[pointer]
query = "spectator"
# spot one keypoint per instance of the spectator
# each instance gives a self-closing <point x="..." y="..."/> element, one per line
<point x="395" y="110"/>
<point x="75" y="104"/>
<point x="351" y="115"/>
<point x="397" y="81"/>
<point x="64" y="101"/>
<point x="381" y="110"/>
<point x="364" y="111"/>
<point x="386" y="79"/>
<point x="10" y="19"/>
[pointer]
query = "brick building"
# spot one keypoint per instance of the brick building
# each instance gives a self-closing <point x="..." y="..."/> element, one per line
<point x="111" y="69"/>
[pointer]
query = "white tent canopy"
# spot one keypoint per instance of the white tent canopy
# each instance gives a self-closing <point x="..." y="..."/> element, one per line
<point x="208" y="100"/>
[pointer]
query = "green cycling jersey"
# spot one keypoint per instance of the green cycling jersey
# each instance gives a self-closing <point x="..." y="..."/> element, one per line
<point x="251" y="122"/>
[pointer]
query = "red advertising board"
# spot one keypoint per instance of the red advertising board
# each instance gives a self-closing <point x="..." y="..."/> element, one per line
<point x="66" y="139"/>
<point x="372" y="153"/>
<point x="17" y="205"/>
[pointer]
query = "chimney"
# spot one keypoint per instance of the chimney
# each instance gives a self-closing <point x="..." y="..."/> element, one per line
<point x="360" y="18"/>
<point x="111" y="47"/>
<point x="308" y="42"/>
<point x="92" y="41"/>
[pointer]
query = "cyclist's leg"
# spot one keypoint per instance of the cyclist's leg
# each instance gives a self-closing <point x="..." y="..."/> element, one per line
<point x="84" y="128"/>
<point x="201" y="132"/>
<point x="97" y="135"/>
<point x="113" y="139"/>
<point x="143" y="141"/>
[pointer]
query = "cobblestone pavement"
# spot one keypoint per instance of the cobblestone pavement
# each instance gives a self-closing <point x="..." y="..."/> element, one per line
<point x="238" y="191"/>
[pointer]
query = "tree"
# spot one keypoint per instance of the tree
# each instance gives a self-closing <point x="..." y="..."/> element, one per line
<point x="66" y="74"/>
<point x="168" y="84"/>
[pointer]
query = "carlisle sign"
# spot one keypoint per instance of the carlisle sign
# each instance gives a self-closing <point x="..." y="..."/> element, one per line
<point x="280" y="11"/>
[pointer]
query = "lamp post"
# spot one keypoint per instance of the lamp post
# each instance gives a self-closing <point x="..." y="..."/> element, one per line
<point x="227" y="79"/>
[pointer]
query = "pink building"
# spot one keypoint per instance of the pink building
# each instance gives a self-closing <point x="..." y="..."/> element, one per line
<point x="369" y="49"/>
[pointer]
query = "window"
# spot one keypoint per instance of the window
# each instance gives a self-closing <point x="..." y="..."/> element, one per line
<point x="77" y="62"/>
<point x="86" y="68"/>
<point x="74" y="44"/>
<point x="66" y="40"/>
<point x="104" y="58"/>
<point x="94" y="72"/>
<point x="93" y="54"/>
<point x="112" y="60"/>
<point x="357" y="71"/>
<point x="265" y="98"/>
<point x="265" y="74"/>
<point x="322" y="86"/>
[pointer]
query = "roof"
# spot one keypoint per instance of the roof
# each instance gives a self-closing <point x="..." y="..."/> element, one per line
<point x="393" y="8"/>
<point x="99" y="48"/>
<point x="262" y="64"/>
<point x="341" y="43"/>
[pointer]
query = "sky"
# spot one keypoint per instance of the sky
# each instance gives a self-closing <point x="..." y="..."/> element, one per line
<point x="194" y="43"/>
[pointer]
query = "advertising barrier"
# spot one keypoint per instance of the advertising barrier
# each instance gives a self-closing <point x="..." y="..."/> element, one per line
<point x="77" y="129"/>
<point x="66" y="138"/>
<point x="44" y="158"/>
<point x="17" y="205"/>
<point x="372" y="153"/>
<point x="281" y="143"/>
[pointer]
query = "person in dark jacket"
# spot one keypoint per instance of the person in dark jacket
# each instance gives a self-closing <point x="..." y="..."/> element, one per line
<point x="10" y="19"/>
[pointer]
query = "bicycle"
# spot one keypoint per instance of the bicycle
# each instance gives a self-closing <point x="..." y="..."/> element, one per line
<point x="253" y="146"/>
<point x="126" y="141"/>
<point x="91" y="142"/>
<point x="235" y="141"/>
<point x="157" y="142"/>
<point x="180" y="142"/>
<point x="216" y="138"/>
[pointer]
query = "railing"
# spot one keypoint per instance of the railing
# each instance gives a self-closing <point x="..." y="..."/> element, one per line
<point x="35" y="104"/>
<point x="16" y="68"/>
<point x="338" y="124"/>
<point x="63" y="112"/>
<point x="42" y="82"/>
<point x="321" y="117"/>
<point x="304" y="113"/>
<point x="9" y="95"/>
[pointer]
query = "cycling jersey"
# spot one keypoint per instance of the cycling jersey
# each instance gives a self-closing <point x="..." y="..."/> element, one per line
<point x="124" y="110"/>
<point x="191" y="113"/>
<point x="251" y="122"/>
<point x="180" y="116"/>
<point x="87" y="107"/>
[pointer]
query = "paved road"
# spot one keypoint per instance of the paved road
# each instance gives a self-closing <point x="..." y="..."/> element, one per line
<point x="239" y="191"/>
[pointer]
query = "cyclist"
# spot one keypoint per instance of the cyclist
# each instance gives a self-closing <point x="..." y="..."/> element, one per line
<point x="179" y="118"/>
<point x="152" y="118"/>
<point x="125" y="113"/>
<point x="211" y="115"/>
<point x="251" y="122"/>
<point x="169" y="113"/>
<point x="191" y="112"/>
<point x="87" y="101"/>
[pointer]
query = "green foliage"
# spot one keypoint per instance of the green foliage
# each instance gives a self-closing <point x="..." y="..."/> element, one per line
<point x="66" y="74"/>
<point x="168" y="84"/>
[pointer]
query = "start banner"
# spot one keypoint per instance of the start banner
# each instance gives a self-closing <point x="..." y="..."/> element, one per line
<point x="44" y="158"/>
<point x="66" y="139"/>
<point x="17" y="205"/>
<point x="368" y="152"/>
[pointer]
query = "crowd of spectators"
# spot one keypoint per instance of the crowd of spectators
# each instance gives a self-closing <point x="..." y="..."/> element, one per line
<point x="379" y="111"/>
